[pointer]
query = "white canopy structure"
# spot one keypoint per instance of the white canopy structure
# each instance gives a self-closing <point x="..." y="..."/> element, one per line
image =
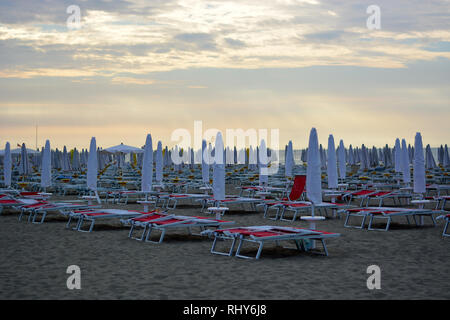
<point x="122" y="148"/>
<point x="332" y="165"/>
<point x="419" y="165"/>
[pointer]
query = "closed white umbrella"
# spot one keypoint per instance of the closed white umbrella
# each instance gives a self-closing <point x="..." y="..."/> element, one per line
<point x="219" y="169"/>
<point x="263" y="162"/>
<point x="159" y="163"/>
<point x="332" y="165"/>
<point x="430" y="163"/>
<point x="76" y="160"/>
<point x="65" y="160"/>
<point x="342" y="160"/>
<point x="147" y="166"/>
<point x="92" y="166"/>
<point x="46" y="168"/>
<point x="446" y="161"/>
<point x="405" y="163"/>
<point x="205" y="163"/>
<point x="398" y="156"/>
<point x="351" y="158"/>
<point x="289" y="161"/>
<point x="7" y="166"/>
<point x="419" y="165"/>
<point x="24" y="168"/>
<point x="313" y="172"/>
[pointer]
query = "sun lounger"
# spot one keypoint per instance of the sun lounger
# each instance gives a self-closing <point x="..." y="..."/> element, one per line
<point x="386" y="213"/>
<point x="296" y="193"/>
<point x="9" y="202"/>
<point x="43" y="208"/>
<point x="157" y="221"/>
<point x="171" y="200"/>
<point x="264" y="234"/>
<point x="93" y="215"/>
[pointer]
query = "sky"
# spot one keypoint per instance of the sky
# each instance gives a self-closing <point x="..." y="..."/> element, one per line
<point x="136" y="67"/>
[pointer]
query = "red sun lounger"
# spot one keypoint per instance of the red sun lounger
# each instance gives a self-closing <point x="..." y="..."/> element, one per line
<point x="387" y="214"/>
<point x="263" y="234"/>
<point x="162" y="222"/>
<point x="93" y="215"/>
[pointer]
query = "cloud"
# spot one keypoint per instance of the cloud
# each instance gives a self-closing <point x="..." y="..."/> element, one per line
<point x="141" y="37"/>
<point x="129" y="80"/>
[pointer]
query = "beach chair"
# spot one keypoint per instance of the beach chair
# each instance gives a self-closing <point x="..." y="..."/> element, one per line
<point x="92" y="215"/>
<point x="306" y="207"/>
<point x="386" y="214"/>
<point x="296" y="193"/>
<point x="43" y="208"/>
<point x="162" y="222"/>
<point x="230" y="200"/>
<point x="264" y="234"/>
<point x="170" y="201"/>
<point x="9" y="202"/>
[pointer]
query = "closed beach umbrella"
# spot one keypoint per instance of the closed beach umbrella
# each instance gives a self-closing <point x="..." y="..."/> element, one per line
<point x="289" y="160"/>
<point x="342" y="160"/>
<point x="76" y="160"/>
<point x="430" y="163"/>
<point x="405" y="163"/>
<point x="159" y="163"/>
<point x="332" y="165"/>
<point x="205" y="163"/>
<point x="351" y="158"/>
<point x="313" y="172"/>
<point x="419" y="165"/>
<point x="219" y="169"/>
<point x="7" y="165"/>
<point x="46" y="168"/>
<point x="65" y="160"/>
<point x="398" y="156"/>
<point x="92" y="166"/>
<point x="263" y="162"/>
<point x="147" y="166"/>
<point x="446" y="160"/>
<point x="24" y="168"/>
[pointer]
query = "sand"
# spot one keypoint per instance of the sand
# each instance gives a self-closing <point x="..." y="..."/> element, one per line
<point x="414" y="263"/>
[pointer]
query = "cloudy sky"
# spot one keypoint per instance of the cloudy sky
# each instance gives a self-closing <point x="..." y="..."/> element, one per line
<point x="140" y="66"/>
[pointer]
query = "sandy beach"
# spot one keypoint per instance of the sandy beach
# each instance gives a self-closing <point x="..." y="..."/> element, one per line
<point x="34" y="258"/>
